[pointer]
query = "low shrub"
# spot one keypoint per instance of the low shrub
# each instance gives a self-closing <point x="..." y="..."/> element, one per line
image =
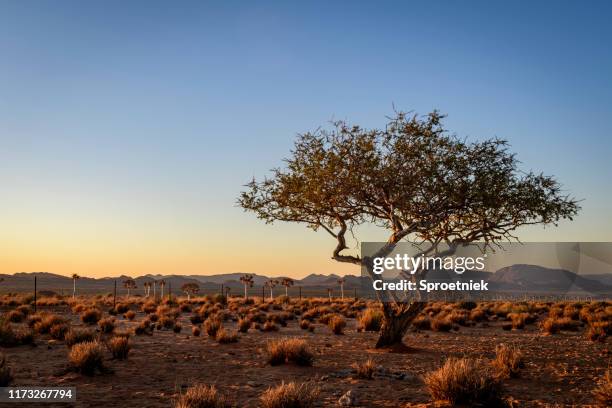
<point x="177" y="328"/>
<point x="195" y="330"/>
<point x="212" y="326"/>
<point x="119" y="347"/>
<point x="603" y="392"/>
<point x="15" y="316"/>
<point x="463" y="381"/>
<point x="366" y="369"/>
<point x="224" y="336"/>
<point x="244" y="325"/>
<point x="107" y="325"/>
<point x="290" y="395"/>
<point x="87" y="357"/>
<point x="91" y="316"/>
<point x="59" y="331"/>
<point x="289" y="350"/>
<point x="202" y="396"/>
<point x="337" y="324"/>
<point x="269" y="326"/>
<point x="508" y="361"/>
<point x="76" y="336"/>
<point x="441" y="324"/>
<point x="130" y="315"/>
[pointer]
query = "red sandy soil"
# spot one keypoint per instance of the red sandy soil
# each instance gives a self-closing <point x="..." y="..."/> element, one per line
<point x="561" y="370"/>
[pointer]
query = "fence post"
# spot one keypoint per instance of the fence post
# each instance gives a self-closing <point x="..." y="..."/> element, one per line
<point x="35" y="306"/>
<point x="115" y="296"/>
<point x="263" y="293"/>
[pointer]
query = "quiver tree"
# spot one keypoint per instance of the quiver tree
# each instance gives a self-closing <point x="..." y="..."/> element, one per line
<point x="416" y="181"/>
<point x="162" y="285"/>
<point x="287" y="283"/>
<point x="129" y="284"/>
<point x="341" y="282"/>
<point x="75" y="277"/>
<point x="190" y="289"/>
<point x="271" y="284"/>
<point x="247" y="281"/>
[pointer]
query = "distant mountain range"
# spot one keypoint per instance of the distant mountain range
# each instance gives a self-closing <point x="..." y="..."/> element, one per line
<point x="520" y="277"/>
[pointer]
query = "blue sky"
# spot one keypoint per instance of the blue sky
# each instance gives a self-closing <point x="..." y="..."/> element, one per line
<point x="128" y="128"/>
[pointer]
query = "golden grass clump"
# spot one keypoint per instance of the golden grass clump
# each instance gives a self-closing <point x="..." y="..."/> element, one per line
<point x="289" y="351"/>
<point x="130" y="315"/>
<point x="59" y="331"/>
<point x="202" y="396"/>
<point x="6" y="374"/>
<point x="195" y="330"/>
<point x="15" y="316"/>
<point x="45" y="322"/>
<point x="371" y="320"/>
<point x="508" y="361"/>
<point x="290" y="395"/>
<point x="366" y="369"/>
<point x="463" y="381"/>
<point x="106" y="325"/>
<point x="119" y="347"/>
<point x="76" y="336"/>
<point x="441" y="324"/>
<point x="91" y="316"/>
<point x="337" y="324"/>
<point x="212" y="326"/>
<point x="87" y="357"/>
<point x="243" y="325"/>
<point x="269" y="326"/>
<point x="603" y="392"/>
<point x="225" y="337"/>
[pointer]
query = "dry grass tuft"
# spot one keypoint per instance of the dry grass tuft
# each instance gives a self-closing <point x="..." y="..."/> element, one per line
<point x="107" y="325"/>
<point x="289" y="350"/>
<point x="195" y="330"/>
<point x="244" y="325"/>
<point x="59" y="331"/>
<point x="75" y="336"/>
<point x="365" y="370"/>
<point x="463" y="381"/>
<point x="120" y="347"/>
<point x="212" y="326"/>
<point x="290" y="395"/>
<point x="337" y="324"/>
<point x="130" y="315"/>
<point x="603" y="392"/>
<point x="225" y="337"/>
<point x="202" y="396"/>
<point x="87" y="357"/>
<point x="371" y="320"/>
<point x="91" y="316"/>
<point x="508" y="361"/>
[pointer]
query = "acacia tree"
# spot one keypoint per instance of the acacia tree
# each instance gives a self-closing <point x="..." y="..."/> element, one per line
<point x="190" y="288"/>
<point x="287" y="283"/>
<point x="247" y="281"/>
<point x="413" y="179"/>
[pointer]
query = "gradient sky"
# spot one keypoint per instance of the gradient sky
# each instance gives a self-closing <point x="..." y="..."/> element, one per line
<point x="128" y="128"/>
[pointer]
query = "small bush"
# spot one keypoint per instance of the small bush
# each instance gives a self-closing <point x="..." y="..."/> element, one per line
<point x="603" y="392"/>
<point x="15" y="316"/>
<point x="518" y="320"/>
<point x="119" y="346"/>
<point x="441" y="324"/>
<point x="122" y="308"/>
<point x="177" y="328"/>
<point x="422" y="323"/>
<point x="6" y="374"/>
<point x="195" y="330"/>
<point x="508" y="361"/>
<point x="289" y="395"/>
<point x="304" y="324"/>
<point x="244" y="325"/>
<point x="91" y="316"/>
<point x="202" y="396"/>
<point x="107" y="325"/>
<point x="269" y="326"/>
<point x="366" y="369"/>
<point x="59" y="331"/>
<point x="87" y="357"/>
<point x="371" y="320"/>
<point x="43" y="326"/>
<point x="224" y="337"/>
<point x="8" y="338"/>
<point x="75" y="336"/>
<point x="289" y="350"/>
<point x="130" y="315"/>
<point x="212" y="326"/>
<point x="463" y="381"/>
<point x="337" y="324"/>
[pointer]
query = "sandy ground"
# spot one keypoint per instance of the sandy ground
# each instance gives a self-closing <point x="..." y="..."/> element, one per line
<point x="561" y="370"/>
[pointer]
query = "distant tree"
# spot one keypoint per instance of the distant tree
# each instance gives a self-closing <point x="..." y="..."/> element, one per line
<point x="154" y="283"/>
<point x="329" y="293"/>
<point x="341" y="282"/>
<point x="129" y="284"/>
<point x="247" y="281"/>
<point x="147" y="287"/>
<point x="162" y="285"/>
<point x="190" y="288"/>
<point x="75" y="277"/>
<point x="287" y="282"/>
<point x="417" y="181"/>
<point x="271" y="284"/>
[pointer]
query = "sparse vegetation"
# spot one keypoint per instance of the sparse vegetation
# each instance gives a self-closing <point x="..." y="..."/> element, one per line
<point x="290" y="395"/>
<point x="120" y="347"/>
<point x="366" y="369"/>
<point x="508" y="361"/>
<point x="87" y="357"/>
<point x="202" y="396"/>
<point x="289" y="350"/>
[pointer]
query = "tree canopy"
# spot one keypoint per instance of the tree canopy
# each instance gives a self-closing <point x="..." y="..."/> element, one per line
<point x="413" y="178"/>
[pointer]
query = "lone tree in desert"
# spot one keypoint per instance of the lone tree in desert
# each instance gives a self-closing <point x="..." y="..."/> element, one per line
<point x="416" y="181"/>
<point x="190" y="289"/>
<point x="247" y="281"/>
<point x="341" y="282"/>
<point x="75" y="277"/>
<point x="287" y="283"/>
<point x="271" y="284"/>
<point x="129" y="284"/>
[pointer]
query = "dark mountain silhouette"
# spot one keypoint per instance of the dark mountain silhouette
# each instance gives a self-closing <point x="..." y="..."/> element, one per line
<point x="519" y="277"/>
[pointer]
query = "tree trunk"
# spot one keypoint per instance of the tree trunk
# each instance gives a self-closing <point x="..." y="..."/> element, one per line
<point x="397" y="322"/>
<point x="245" y="292"/>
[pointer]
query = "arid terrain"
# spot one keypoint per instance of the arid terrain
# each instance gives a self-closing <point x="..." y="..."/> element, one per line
<point x="560" y="350"/>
